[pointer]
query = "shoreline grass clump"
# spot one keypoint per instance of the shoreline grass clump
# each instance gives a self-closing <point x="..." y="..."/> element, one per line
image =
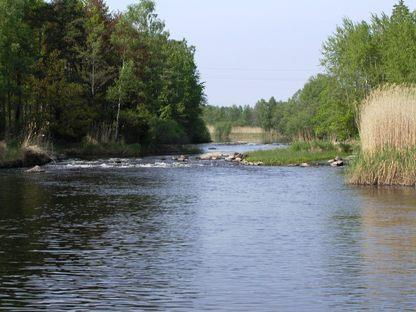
<point x="26" y="154"/>
<point x="311" y="152"/>
<point x="387" y="167"/>
<point x="387" y="125"/>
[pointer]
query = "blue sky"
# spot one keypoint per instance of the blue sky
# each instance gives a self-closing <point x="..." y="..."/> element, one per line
<point x="247" y="50"/>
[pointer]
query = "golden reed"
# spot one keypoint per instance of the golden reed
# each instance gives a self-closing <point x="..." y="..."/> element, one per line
<point x="387" y="125"/>
<point x="388" y="119"/>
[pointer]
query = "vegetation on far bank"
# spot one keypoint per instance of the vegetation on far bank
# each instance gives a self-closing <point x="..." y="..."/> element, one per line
<point x="122" y="150"/>
<point x="358" y="58"/>
<point x="367" y="93"/>
<point x="72" y="69"/>
<point x="311" y="152"/>
<point x="224" y="132"/>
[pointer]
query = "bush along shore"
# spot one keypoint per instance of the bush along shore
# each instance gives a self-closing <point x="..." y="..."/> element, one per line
<point x="388" y="138"/>
<point x="24" y="156"/>
<point x="305" y="154"/>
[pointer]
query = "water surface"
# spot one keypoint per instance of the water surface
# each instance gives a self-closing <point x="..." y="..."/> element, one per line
<point x="152" y="234"/>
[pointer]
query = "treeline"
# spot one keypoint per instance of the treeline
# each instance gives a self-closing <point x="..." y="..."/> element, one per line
<point x="71" y="69"/>
<point x="358" y="58"/>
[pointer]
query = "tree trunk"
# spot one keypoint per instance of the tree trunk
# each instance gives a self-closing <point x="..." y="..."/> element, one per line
<point x="119" y="105"/>
<point x="118" y="118"/>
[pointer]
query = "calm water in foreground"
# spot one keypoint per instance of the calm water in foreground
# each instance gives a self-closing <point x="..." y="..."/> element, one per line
<point x="154" y="235"/>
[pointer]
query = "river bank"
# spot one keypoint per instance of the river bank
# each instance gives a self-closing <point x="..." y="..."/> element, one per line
<point x="313" y="153"/>
<point x="15" y="156"/>
<point x="22" y="156"/>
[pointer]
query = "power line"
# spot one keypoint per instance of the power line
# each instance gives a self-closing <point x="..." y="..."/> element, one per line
<point x="261" y="69"/>
<point x="254" y="79"/>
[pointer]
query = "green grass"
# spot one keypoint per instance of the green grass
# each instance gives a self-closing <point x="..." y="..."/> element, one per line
<point x="388" y="167"/>
<point x="313" y="152"/>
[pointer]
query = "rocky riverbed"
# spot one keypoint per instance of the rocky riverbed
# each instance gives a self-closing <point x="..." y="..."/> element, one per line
<point x="241" y="158"/>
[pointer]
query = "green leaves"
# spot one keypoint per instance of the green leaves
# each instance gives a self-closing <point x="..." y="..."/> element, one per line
<point x="70" y="67"/>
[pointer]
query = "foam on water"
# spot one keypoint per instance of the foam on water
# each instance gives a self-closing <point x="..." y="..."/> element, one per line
<point x="116" y="164"/>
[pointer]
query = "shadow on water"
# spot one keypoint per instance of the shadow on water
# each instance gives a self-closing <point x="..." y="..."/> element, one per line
<point x="74" y="238"/>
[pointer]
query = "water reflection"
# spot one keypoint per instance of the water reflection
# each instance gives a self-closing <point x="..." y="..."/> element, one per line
<point x="388" y="246"/>
<point x="203" y="237"/>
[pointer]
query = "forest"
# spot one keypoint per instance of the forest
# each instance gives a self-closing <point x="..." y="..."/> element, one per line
<point x="357" y="58"/>
<point x="71" y="70"/>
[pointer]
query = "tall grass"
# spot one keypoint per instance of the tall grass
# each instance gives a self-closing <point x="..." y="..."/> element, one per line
<point x="387" y="167"/>
<point x="387" y="125"/>
<point x="388" y="119"/>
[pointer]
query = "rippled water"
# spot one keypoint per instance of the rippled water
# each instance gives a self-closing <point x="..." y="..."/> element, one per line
<point x="151" y="234"/>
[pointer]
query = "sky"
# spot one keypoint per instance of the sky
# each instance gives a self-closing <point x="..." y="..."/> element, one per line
<point x="249" y="50"/>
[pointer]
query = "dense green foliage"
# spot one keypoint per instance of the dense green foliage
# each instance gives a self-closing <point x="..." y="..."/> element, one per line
<point x="71" y="69"/>
<point x="357" y="58"/>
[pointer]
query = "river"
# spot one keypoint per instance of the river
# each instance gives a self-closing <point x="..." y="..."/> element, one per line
<point x="152" y="234"/>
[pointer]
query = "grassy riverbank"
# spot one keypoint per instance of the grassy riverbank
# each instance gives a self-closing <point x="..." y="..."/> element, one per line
<point x="389" y="167"/>
<point x="15" y="155"/>
<point x="314" y="152"/>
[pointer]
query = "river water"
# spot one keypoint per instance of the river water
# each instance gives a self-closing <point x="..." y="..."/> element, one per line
<point x="152" y="234"/>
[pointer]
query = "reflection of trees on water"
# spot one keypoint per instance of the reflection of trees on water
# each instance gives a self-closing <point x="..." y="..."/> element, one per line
<point x="370" y="256"/>
<point x="77" y="231"/>
<point x="388" y="247"/>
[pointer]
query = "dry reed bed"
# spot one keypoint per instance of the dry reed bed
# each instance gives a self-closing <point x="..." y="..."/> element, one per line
<point x="387" y="126"/>
<point x="388" y="119"/>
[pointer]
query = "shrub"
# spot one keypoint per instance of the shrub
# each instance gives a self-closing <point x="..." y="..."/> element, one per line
<point x="135" y="126"/>
<point x="313" y="146"/>
<point x="167" y="132"/>
<point x="199" y="132"/>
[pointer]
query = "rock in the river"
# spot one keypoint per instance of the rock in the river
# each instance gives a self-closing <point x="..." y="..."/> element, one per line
<point x="35" y="169"/>
<point x="338" y="163"/>
<point x="211" y="156"/>
<point x="183" y="158"/>
<point x="248" y="163"/>
<point x="230" y="157"/>
<point x="304" y="165"/>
